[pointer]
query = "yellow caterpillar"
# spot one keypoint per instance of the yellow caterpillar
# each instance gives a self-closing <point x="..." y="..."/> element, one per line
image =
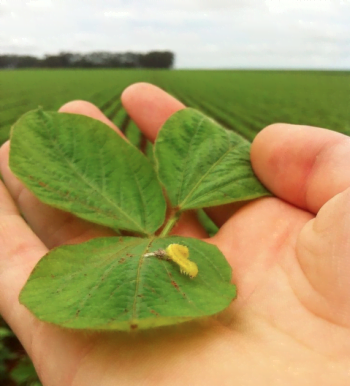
<point x="179" y="254"/>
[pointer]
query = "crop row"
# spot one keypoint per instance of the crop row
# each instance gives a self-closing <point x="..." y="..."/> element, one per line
<point x="244" y="101"/>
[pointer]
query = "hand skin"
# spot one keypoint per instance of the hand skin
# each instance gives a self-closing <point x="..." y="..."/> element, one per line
<point x="290" y="324"/>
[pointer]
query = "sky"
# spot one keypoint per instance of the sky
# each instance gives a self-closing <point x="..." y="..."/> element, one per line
<point x="202" y="34"/>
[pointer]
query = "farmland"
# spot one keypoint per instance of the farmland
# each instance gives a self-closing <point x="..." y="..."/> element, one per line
<point x="244" y="101"/>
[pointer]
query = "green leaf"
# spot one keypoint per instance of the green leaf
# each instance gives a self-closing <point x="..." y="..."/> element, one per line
<point x="201" y="164"/>
<point x="24" y="373"/>
<point x="5" y="332"/>
<point x="108" y="283"/>
<point x="80" y="165"/>
<point x="133" y="133"/>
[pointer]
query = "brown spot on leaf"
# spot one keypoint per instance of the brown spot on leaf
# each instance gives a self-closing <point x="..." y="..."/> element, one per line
<point x="175" y="284"/>
<point x="140" y="296"/>
<point x="154" y="312"/>
<point x="133" y="326"/>
<point x="42" y="184"/>
<point x="121" y="261"/>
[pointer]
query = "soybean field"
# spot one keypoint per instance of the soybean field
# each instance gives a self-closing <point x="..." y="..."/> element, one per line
<point x="243" y="101"/>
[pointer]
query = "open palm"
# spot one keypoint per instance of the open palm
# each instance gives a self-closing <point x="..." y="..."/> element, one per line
<point x="290" y="324"/>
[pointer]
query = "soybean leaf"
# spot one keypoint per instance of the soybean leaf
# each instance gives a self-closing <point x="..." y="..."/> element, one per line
<point x="108" y="283"/>
<point x="80" y="165"/>
<point x="201" y="164"/>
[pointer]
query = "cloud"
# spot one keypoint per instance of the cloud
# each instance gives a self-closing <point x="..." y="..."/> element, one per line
<point x="202" y="33"/>
<point x="39" y="3"/>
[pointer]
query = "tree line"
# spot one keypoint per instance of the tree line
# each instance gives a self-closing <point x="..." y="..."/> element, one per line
<point x="153" y="59"/>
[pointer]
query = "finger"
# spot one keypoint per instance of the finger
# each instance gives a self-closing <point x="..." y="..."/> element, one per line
<point x="323" y="251"/>
<point x="149" y="107"/>
<point x="90" y="110"/>
<point x="303" y="165"/>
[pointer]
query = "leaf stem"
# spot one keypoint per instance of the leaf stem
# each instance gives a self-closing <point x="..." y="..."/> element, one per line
<point x="170" y="224"/>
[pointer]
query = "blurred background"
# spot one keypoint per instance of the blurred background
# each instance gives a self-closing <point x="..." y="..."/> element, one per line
<point x="246" y="63"/>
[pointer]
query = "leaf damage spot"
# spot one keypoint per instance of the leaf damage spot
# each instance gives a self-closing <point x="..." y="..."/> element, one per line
<point x="173" y="282"/>
<point x="133" y="326"/>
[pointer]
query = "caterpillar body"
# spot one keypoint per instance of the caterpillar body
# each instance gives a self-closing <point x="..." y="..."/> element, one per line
<point x="179" y="254"/>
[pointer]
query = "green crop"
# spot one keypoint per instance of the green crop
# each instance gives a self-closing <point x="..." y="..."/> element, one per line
<point x="80" y="165"/>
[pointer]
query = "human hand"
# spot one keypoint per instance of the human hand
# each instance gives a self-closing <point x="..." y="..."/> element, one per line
<point x="290" y="323"/>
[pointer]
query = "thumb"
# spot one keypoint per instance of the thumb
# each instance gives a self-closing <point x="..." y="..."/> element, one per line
<point x="323" y="251"/>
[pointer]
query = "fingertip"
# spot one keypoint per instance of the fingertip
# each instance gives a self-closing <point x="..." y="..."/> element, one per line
<point x="149" y="107"/>
<point x="268" y="141"/>
<point x="293" y="161"/>
<point x="79" y="107"/>
<point x="88" y="109"/>
<point x="268" y="153"/>
<point x="132" y="92"/>
<point x="282" y="155"/>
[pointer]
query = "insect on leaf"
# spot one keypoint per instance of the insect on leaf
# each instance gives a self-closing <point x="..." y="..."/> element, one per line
<point x="179" y="254"/>
<point x="109" y="284"/>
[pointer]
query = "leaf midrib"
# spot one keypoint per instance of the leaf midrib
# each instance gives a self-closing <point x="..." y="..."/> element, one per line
<point x="205" y="175"/>
<point x="138" y="279"/>
<point x="187" y="156"/>
<point x="72" y="166"/>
